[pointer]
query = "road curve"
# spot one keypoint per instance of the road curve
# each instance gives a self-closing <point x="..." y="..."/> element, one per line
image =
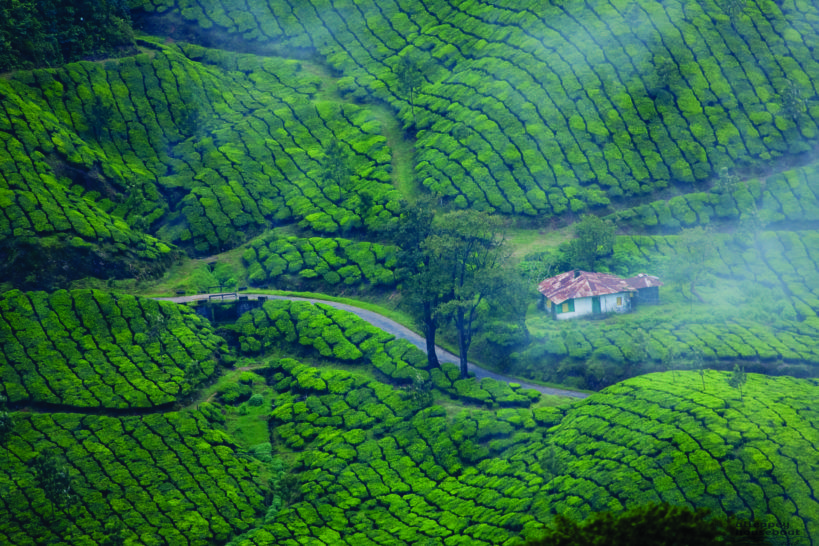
<point x="399" y="331"/>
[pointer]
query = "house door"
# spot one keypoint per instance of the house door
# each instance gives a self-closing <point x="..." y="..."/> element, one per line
<point x="595" y="304"/>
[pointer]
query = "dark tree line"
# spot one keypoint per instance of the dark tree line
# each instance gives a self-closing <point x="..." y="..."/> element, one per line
<point x="53" y="32"/>
<point x="652" y="525"/>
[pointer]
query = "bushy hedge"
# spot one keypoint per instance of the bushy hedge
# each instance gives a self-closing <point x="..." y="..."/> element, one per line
<point x="550" y="108"/>
<point x="333" y="260"/>
<point x="162" y="479"/>
<point x="665" y="438"/>
<point x="92" y="349"/>
<point x="374" y="469"/>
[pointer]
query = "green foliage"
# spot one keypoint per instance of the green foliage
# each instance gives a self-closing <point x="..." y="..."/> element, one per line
<point x="594" y="239"/>
<point x="54" y="32"/>
<point x="561" y="108"/>
<point x="738" y="379"/>
<point x="53" y="479"/>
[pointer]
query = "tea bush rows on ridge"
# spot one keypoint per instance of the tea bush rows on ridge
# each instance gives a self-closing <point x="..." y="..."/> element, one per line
<point x="373" y="470"/>
<point x="166" y="478"/>
<point x="202" y="146"/>
<point x="341" y="335"/>
<point x="92" y="349"/>
<point x="544" y="108"/>
<point x="334" y="260"/>
<point x="661" y="437"/>
<point x="40" y="215"/>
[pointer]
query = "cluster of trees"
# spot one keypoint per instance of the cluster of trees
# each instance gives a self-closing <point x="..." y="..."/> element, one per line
<point x="53" y="32"/>
<point x="457" y="269"/>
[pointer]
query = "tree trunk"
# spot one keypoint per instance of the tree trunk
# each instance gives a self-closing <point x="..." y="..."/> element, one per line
<point x="430" y="326"/>
<point x="463" y="344"/>
<point x="694" y="292"/>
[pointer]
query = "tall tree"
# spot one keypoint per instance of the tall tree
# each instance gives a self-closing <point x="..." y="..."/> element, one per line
<point x="421" y="289"/>
<point x="594" y="239"/>
<point x="695" y="249"/>
<point x="53" y="479"/>
<point x="410" y="79"/>
<point x="738" y="379"/>
<point x="698" y="363"/>
<point x="336" y="167"/>
<point x="468" y="255"/>
<point x="793" y="104"/>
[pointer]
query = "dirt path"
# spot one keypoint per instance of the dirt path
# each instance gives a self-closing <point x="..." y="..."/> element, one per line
<point x="402" y="332"/>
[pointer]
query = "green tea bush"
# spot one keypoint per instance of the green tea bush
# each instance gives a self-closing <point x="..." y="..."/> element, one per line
<point x="271" y="259"/>
<point x="168" y="475"/>
<point x="87" y="348"/>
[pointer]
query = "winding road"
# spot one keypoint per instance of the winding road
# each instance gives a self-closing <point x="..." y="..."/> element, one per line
<point x="394" y="328"/>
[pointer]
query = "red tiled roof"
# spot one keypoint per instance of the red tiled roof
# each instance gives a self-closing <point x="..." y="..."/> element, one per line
<point x="581" y="284"/>
<point x="642" y="280"/>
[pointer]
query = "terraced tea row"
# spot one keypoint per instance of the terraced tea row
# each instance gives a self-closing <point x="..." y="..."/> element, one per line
<point x="546" y="108"/>
<point x="92" y="349"/>
<point x="333" y="260"/>
<point x="163" y="478"/>
<point x="340" y="335"/>
<point x="201" y="146"/>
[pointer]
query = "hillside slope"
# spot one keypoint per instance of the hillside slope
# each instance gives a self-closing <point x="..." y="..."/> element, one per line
<point x="544" y="107"/>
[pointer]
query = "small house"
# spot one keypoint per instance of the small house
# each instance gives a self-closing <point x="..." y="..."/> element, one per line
<point x="577" y="293"/>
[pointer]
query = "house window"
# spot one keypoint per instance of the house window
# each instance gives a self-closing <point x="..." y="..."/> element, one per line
<point x="567" y="307"/>
<point x="619" y="300"/>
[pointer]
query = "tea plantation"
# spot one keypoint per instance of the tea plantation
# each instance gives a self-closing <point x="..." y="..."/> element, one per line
<point x="167" y="478"/>
<point x="197" y="146"/>
<point x="538" y="107"/>
<point x="153" y="146"/>
<point x="761" y="303"/>
<point x="342" y="336"/>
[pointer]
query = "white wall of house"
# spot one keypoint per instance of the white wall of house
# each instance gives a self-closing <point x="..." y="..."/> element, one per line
<point x="609" y="303"/>
<point x="582" y="306"/>
<point x="615" y="303"/>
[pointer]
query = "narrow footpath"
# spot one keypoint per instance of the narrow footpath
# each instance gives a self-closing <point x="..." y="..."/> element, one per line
<point x="399" y="331"/>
